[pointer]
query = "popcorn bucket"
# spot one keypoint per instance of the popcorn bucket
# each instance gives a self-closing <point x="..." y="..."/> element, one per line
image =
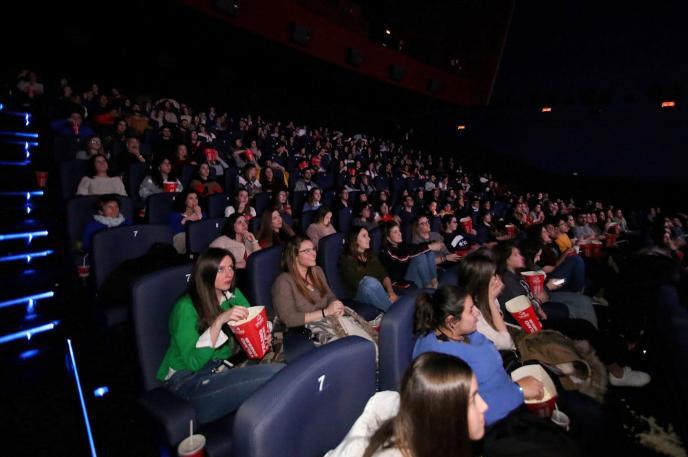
<point x="252" y="332"/>
<point x="510" y="230"/>
<point x="535" y="280"/>
<point x="611" y="239"/>
<point x="545" y="406"/>
<point x="613" y="227"/>
<point x="587" y="247"/>
<point x="211" y="154"/>
<point x="596" y="248"/>
<point x="524" y="313"/>
<point x="467" y="224"/>
<point x="169" y="186"/>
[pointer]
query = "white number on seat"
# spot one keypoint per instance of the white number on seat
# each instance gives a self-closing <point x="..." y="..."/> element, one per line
<point x="321" y="380"/>
<point x="188" y="277"/>
<point x="136" y="232"/>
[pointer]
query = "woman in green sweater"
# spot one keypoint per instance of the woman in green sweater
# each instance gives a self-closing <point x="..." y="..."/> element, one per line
<point x="197" y="364"/>
<point x="364" y="277"/>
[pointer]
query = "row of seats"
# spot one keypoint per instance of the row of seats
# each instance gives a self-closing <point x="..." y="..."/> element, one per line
<point x="304" y="410"/>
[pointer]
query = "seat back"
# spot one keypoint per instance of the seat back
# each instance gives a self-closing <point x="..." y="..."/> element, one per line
<point x="230" y="180"/>
<point x="80" y="212"/>
<point x="298" y="198"/>
<point x="310" y="405"/>
<point x="114" y="246"/>
<point x="262" y="268"/>
<point x="71" y="173"/>
<point x="330" y="249"/>
<point x="153" y="297"/>
<point x="375" y="240"/>
<point x="261" y="200"/>
<point x="135" y="175"/>
<point x="435" y="224"/>
<point x="344" y="218"/>
<point x="397" y="340"/>
<point x="381" y="183"/>
<point x="201" y="233"/>
<point x="187" y="174"/>
<point x="217" y="204"/>
<point x="307" y="218"/>
<point x="160" y="206"/>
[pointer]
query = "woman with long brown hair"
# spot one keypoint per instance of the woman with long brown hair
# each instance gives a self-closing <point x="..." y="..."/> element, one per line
<point x="300" y="294"/>
<point x="273" y="230"/>
<point x="437" y="412"/>
<point x="197" y="364"/>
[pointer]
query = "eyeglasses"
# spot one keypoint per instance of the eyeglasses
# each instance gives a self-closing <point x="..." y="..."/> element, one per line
<point x="309" y="250"/>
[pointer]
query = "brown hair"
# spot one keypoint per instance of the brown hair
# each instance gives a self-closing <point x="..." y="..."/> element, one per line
<point x="475" y="273"/>
<point x="434" y="399"/>
<point x="432" y="310"/>
<point x="267" y="236"/>
<point x="202" y="286"/>
<point x="291" y="252"/>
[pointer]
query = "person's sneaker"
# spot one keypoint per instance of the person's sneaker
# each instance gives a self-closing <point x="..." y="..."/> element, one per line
<point x="630" y="378"/>
<point x="599" y="301"/>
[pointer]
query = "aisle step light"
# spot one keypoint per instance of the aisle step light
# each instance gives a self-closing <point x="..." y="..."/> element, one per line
<point x="29" y="333"/>
<point x="87" y="422"/>
<point x="668" y="104"/>
<point x="29" y="300"/>
<point x="28" y="235"/>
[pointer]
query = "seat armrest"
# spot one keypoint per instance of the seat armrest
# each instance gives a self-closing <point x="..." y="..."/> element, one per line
<point x="169" y="413"/>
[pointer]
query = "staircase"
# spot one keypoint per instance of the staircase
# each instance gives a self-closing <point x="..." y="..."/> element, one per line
<point x="28" y="313"/>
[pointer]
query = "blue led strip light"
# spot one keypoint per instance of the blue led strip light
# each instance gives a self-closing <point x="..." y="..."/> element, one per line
<point x="18" y="164"/>
<point x="29" y="333"/>
<point x="26" y="256"/>
<point x="87" y="422"/>
<point x="19" y="134"/>
<point x="29" y="235"/>
<point x="26" y="144"/>
<point x="27" y="299"/>
<point x="28" y="194"/>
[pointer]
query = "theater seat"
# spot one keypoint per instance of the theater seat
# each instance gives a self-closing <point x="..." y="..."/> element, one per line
<point x="217" y="204"/>
<point x="114" y="246"/>
<point x="153" y="297"/>
<point x="330" y="250"/>
<point x="262" y="268"/>
<point x="343" y="219"/>
<point x="160" y="206"/>
<point x="309" y="406"/>
<point x="375" y="240"/>
<point x="397" y="340"/>
<point x="80" y="212"/>
<point x="201" y="233"/>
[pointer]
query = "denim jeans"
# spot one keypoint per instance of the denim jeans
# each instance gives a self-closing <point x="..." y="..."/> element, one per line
<point x="579" y="305"/>
<point x="573" y="271"/>
<point x="214" y="395"/>
<point x="422" y="269"/>
<point x="371" y="291"/>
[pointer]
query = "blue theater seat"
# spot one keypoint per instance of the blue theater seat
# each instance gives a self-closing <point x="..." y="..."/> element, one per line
<point x="397" y="340"/>
<point x="309" y="406"/>
<point x="160" y="206"/>
<point x="217" y="204"/>
<point x="330" y="250"/>
<point x="262" y="268"/>
<point x="153" y="297"/>
<point x="71" y="173"/>
<point x="80" y="212"/>
<point x="200" y="234"/>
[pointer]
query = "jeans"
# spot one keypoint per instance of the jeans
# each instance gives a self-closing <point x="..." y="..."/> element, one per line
<point x="422" y="269"/>
<point x="573" y="271"/>
<point x="214" y="395"/>
<point x="579" y="305"/>
<point x="371" y="291"/>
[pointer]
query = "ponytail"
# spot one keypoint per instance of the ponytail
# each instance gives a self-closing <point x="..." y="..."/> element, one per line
<point x="432" y="310"/>
<point x="424" y="315"/>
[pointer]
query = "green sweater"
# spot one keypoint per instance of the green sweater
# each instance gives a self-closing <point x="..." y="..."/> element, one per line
<point x="183" y="353"/>
<point x="353" y="271"/>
